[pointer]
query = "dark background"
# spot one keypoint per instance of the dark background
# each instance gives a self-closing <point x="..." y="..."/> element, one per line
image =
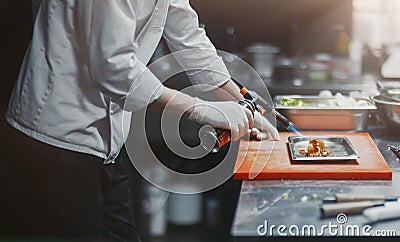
<point x="16" y="27"/>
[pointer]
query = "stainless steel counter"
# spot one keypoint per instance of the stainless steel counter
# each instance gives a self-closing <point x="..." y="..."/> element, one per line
<point x="296" y="204"/>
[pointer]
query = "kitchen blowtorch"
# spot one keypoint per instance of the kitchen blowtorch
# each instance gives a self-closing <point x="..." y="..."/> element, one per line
<point x="213" y="140"/>
<point x="264" y="107"/>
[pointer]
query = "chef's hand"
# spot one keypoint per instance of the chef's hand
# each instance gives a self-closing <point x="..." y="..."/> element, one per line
<point x="224" y="115"/>
<point x="268" y="131"/>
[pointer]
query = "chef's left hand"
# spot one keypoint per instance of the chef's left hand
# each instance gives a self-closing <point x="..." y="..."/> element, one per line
<point x="268" y="131"/>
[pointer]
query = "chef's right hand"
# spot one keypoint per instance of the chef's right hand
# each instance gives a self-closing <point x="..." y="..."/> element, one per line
<point x="225" y="115"/>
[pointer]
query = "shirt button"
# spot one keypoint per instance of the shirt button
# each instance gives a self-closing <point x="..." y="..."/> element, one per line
<point x="156" y="9"/>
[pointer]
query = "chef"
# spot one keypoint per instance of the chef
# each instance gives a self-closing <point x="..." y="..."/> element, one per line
<point x="86" y="63"/>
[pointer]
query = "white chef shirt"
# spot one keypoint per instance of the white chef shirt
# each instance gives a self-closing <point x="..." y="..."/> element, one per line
<point x="88" y="58"/>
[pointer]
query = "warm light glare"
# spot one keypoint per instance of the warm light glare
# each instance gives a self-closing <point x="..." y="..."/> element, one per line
<point x="376" y="22"/>
<point x="372" y="5"/>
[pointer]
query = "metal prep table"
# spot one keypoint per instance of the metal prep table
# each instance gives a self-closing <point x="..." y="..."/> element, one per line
<point x="297" y="203"/>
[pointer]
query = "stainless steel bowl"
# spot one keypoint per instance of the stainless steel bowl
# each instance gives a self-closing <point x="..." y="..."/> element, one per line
<point x="388" y="111"/>
<point x="391" y="93"/>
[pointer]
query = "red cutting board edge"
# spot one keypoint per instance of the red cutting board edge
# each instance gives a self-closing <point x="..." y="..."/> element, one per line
<point x="370" y="166"/>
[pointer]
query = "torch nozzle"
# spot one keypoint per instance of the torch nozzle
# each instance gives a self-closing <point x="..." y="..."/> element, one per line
<point x="264" y="107"/>
<point x="262" y="103"/>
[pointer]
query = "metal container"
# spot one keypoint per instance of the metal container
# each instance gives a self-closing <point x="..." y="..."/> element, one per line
<point x="388" y="111"/>
<point x="262" y="58"/>
<point x="342" y="149"/>
<point x="392" y="94"/>
<point x="317" y="115"/>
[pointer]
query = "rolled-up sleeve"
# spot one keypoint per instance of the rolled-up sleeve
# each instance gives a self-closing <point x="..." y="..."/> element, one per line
<point x="109" y="29"/>
<point x="192" y="48"/>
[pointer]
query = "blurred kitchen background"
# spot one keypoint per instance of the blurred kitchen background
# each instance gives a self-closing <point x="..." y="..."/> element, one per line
<point x="297" y="46"/>
<point x="315" y="45"/>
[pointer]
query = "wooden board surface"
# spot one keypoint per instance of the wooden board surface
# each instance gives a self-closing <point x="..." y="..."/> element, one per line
<point x="267" y="160"/>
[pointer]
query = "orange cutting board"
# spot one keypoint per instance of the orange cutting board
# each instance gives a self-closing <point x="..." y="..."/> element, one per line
<point x="268" y="160"/>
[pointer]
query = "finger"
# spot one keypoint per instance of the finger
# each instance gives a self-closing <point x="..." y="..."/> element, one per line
<point x="242" y="129"/>
<point x="257" y="120"/>
<point x="253" y="133"/>
<point x="262" y="136"/>
<point x="270" y="129"/>
<point x="265" y="124"/>
<point x="249" y="132"/>
<point x="276" y="135"/>
<point x="235" y="132"/>
<point x="250" y="118"/>
<point x="243" y="123"/>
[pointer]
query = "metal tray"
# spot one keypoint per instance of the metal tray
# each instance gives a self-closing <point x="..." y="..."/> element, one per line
<point x="342" y="149"/>
<point x="318" y="116"/>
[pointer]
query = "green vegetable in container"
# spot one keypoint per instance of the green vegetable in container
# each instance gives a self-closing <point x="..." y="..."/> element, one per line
<point x="285" y="101"/>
